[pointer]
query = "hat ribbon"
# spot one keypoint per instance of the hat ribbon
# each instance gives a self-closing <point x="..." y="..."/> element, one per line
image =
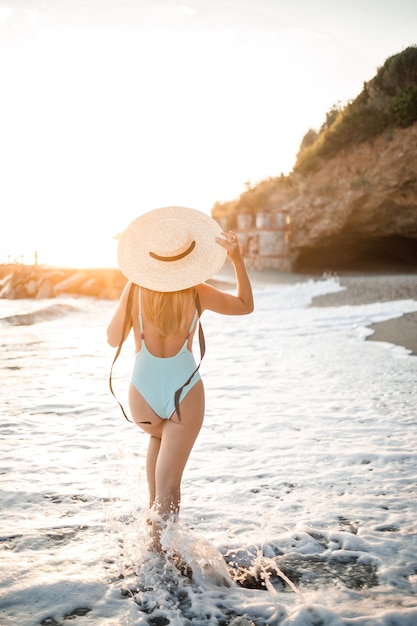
<point x="177" y="257"/>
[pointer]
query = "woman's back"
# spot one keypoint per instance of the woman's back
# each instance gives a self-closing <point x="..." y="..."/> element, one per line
<point x="165" y="324"/>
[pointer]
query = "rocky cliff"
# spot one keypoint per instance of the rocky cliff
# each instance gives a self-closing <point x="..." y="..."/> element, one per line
<point x="352" y="195"/>
<point x="359" y="210"/>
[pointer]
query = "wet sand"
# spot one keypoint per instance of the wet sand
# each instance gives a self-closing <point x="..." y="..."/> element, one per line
<point x="360" y="288"/>
<point x="366" y="289"/>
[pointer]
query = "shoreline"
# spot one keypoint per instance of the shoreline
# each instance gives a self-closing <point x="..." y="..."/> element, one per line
<point x="359" y="288"/>
<point x="370" y="288"/>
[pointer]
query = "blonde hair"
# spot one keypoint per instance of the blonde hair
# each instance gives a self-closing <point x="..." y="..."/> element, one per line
<point x="168" y="311"/>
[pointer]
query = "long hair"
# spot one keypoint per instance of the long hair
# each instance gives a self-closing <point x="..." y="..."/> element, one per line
<point x="168" y="312"/>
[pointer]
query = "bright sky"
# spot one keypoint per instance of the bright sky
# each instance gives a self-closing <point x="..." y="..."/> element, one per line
<point x="110" y="108"/>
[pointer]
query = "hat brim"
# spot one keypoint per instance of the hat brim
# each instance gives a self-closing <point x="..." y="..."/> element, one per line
<point x="205" y="260"/>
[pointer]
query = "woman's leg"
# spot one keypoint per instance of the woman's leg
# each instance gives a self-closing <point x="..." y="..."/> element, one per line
<point x="151" y="458"/>
<point x="146" y="419"/>
<point x="169" y="448"/>
<point x="176" y="444"/>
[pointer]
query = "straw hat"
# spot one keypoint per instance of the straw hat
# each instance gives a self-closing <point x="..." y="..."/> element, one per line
<point x="170" y="249"/>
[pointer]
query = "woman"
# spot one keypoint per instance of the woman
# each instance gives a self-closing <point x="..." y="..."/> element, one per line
<point x="167" y="255"/>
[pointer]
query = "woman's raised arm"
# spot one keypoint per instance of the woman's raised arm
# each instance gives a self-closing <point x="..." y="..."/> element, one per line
<point x="226" y="303"/>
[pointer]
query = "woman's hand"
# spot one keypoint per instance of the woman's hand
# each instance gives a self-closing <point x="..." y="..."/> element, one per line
<point x="230" y="242"/>
<point x="224" y="302"/>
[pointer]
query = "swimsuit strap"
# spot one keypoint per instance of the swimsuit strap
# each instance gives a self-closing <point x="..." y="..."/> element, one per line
<point x="128" y="316"/>
<point x="140" y="315"/>
<point x="193" y="323"/>
<point x="202" y="352"/>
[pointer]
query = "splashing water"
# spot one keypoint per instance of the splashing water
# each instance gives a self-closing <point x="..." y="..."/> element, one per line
<point x="298" y="502"/>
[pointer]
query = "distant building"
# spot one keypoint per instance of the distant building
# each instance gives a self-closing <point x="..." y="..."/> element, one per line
<point x="264" y="238"/>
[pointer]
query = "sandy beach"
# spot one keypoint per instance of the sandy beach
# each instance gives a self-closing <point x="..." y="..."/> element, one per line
<point x="362" y="288"/>
<point x="359" y="288"/>
<point x="368" y="289"/>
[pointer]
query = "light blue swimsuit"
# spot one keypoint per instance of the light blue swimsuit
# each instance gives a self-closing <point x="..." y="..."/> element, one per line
<point x="158" y="378"/>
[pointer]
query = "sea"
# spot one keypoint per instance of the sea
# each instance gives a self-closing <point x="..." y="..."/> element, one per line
<point x="299" y="499"/>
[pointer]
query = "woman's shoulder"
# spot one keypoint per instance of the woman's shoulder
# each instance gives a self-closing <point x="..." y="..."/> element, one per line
<point x="208" y="296"/>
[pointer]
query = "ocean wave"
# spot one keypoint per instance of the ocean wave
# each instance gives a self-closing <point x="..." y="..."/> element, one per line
<point x="48" y="313"/>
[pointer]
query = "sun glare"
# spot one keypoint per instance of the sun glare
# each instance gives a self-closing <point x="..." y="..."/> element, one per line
<point x="103" y="121"/>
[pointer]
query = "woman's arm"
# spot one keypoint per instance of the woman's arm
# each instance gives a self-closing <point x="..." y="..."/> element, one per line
<point x="226" y="303"/>
<point x="115" y="328"/>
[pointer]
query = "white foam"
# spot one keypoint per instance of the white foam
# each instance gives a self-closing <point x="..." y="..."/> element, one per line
<point x="306" y="463"/>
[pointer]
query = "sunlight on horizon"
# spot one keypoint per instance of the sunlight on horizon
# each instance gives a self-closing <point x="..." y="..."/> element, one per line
<point x="69" y="251"/>
<point x="110" y="113"/>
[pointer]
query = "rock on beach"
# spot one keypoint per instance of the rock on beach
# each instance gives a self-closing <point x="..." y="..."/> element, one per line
<point x="37" y="281"/>
<point x="33" y="281"/>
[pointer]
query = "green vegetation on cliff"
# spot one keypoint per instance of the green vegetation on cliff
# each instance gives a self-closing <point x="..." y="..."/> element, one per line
<point x="389" y="100"/>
